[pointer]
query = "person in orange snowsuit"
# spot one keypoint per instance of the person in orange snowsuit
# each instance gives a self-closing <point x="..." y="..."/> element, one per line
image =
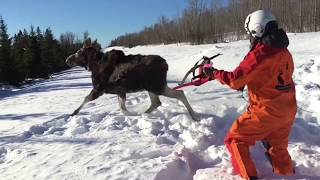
<point x="267" y="72"/>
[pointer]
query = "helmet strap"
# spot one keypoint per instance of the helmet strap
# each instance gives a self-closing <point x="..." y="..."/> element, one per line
<point x="253" y="42"/>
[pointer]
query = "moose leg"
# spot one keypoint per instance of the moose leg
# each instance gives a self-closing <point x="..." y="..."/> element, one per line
<point x="94" y="94"/>
<point x="155" y="102"/>
<point x="122" y="103"/>
<point x="178" y="94"/>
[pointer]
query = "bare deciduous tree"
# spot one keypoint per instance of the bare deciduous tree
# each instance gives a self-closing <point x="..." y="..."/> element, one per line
<point x="208" y="21"/>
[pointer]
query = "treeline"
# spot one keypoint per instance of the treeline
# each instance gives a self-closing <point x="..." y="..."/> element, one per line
<point x="33" y="54"/>
<point x="209" y="21"/>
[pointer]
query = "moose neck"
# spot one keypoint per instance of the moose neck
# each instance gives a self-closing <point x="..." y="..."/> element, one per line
<point x="94" y="66"/>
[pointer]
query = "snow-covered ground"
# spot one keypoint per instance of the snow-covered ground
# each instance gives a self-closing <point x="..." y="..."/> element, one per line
<point x="38" y="140"/>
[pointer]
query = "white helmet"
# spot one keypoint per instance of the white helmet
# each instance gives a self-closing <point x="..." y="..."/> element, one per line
<point x="256" y="22"/>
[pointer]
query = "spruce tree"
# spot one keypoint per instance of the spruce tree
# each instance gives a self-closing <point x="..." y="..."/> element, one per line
<point x="42" y="66"/>
<point x="6" y="64"/>
<point x="19" y="47"/>
<point x="33" y="56"/>
<point x="50" y="53"/>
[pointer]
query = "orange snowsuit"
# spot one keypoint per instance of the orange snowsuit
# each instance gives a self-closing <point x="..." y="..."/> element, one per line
<point x="267" y="72"/>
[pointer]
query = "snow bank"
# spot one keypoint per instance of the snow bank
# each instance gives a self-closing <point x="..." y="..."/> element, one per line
<point x="307" y="79"/>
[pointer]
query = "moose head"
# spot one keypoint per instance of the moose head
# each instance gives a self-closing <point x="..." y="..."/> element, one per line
<point x="90" y="53"/>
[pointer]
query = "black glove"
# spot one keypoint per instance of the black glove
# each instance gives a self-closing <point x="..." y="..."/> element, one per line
<point x="208" y="71"/>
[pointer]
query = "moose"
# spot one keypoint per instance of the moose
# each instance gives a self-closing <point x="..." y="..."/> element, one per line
<point x="113" y="72"/>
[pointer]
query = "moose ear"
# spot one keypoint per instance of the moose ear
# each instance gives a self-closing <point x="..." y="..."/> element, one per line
<point x="87" y="43"/>
<point x="96" y="45"/>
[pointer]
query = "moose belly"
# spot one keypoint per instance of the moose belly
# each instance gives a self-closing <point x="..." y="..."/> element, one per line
<point x="133" y="84"/>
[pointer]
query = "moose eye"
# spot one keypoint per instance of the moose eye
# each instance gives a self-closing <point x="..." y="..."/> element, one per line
<point x="80" y="52"/>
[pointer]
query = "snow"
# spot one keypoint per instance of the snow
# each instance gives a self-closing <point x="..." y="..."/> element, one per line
<point x="39" y="140"/>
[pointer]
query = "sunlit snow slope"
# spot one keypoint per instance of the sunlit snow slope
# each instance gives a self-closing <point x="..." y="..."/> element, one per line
<point x="39" y="140"/>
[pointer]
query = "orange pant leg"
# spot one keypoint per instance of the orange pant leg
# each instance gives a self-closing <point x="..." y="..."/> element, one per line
<point x="279" y="155"/>
<point x="245" y="131"/>
<point x="240" y="158"/>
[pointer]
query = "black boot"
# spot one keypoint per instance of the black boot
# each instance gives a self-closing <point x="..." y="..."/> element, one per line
<point x="253" y="177"/>
<point x="267" y="146"/>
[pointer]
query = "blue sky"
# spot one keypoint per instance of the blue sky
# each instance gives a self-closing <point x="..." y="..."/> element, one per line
<point x="103" y="19"/>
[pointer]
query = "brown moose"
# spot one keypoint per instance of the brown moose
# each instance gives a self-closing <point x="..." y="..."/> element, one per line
<point x="115" y="73"/>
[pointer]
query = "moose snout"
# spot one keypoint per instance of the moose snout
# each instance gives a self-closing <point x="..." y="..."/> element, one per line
<point x="70" y="60"/>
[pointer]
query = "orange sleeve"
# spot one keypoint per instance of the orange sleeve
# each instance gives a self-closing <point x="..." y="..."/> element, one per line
<point x="239" y="77"/>
<point x="247" y="69"/>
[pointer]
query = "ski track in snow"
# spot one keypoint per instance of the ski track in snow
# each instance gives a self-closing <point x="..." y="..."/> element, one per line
<point x="39" y="140"/>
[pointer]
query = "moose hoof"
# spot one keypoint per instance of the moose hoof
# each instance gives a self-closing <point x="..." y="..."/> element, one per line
<point x="75" y="112"/>
<point x="127" y="113"/>
<point x="196" y="117"/>
<point x="148" y="111"/>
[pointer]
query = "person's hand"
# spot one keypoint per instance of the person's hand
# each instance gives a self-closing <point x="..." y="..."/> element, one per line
<point x="208" y="71"/>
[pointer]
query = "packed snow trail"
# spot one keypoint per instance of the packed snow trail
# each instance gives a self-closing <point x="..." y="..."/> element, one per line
<point x="39" y="140"/>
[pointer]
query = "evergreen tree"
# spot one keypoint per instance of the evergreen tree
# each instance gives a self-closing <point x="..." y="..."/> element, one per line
<point x="19" y="48"/>
<point x="2" y="53"/>
<point x="33" y="56"/>
<point x="39" y="35"/>
<point x="42" y="67"/>
<point x="50" y="53"/>
<point x="6" y="63"/>
<point x="26" y="53"/>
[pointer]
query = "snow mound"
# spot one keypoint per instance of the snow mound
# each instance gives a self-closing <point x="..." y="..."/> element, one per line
<point x="307" y="79"/>
<point x="3" y="153"/>
<point x="178" y="128"/>
<point x="183" y="167"/>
